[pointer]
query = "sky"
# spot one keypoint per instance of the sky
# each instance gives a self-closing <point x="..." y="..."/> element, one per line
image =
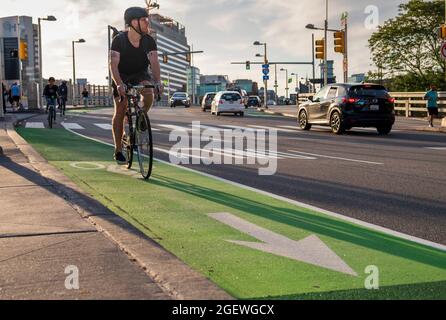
<point x="224" y="29"/>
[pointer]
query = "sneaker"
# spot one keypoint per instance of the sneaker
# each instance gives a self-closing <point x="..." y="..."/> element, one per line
<point x="119" y="157"/>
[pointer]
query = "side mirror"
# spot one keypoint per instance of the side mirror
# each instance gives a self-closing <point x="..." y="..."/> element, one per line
<point x="311" y="98"/>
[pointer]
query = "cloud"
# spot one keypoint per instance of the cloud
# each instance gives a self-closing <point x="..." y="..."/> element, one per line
<point x="224" y="29"/>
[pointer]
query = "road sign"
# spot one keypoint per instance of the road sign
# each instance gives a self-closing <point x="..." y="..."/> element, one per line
<point x="265" y="77"/>
<point x="265" y="66"/>
<point x="443" y="50"/>
<point x="266" y="72"/>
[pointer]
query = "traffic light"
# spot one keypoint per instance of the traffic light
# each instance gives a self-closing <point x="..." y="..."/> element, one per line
<point x="320" y="49"/>
<point x="339" y="42"/>
<point x="23" y="50"/>
<point x="165" y="59"/>
<point x="442" y="32"/>
<point x="189" y="57"/>
<point x="248" y="65"/>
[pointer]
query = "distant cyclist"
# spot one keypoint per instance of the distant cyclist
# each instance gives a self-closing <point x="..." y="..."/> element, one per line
<point x="133" y="60"/>
<point x="63" y="95"/>
<point x="50" y="93"/>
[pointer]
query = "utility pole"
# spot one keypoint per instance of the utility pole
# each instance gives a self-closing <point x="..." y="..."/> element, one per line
<point x="19" y="36"/>
<point x="314" y="65"/>
<point x="326" y="43"/>
<point x="275" y="81"/>
<point x="266" y="81"/>
<point x="2" y="114"/>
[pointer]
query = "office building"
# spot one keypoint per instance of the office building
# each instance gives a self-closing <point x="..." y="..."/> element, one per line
<point x="26" y="71"/>
<point x="171" y="38"/>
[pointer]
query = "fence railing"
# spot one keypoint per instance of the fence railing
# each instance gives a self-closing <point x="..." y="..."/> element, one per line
<point x="405" y="102"/>
<point x="99" y="96"/>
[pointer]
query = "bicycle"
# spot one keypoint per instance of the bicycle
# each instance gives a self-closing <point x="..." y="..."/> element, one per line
<point x="51" y="111"/>
<point x="138" y="131"/>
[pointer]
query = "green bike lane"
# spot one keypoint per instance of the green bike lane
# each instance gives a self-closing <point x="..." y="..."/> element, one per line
<point x="251" y="244"/>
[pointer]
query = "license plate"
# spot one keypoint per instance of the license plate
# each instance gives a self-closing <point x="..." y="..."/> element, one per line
<point x="374" y="107"/>
<point x="231" y="102"/>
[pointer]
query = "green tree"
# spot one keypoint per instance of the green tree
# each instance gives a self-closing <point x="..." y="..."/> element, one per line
<point x="406" y="48"/>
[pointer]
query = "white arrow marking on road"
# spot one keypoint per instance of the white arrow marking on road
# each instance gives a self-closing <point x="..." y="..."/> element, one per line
<point x="309" y="250"/>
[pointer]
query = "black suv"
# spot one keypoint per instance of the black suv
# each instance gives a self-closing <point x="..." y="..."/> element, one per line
<point x="344" y="106"/>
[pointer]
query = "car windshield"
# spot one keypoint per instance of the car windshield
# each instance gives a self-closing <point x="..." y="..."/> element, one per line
<point x="231" y="96"/>
<point x="180" y="95"/>
<point x="369" y="91"/>
<point x="210" y="96"/>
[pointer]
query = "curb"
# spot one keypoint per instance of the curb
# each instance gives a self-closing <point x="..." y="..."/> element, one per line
<point x="175" y="277"/>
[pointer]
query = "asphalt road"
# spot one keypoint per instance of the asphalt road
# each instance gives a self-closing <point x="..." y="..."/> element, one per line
<point x="395" y="181"/>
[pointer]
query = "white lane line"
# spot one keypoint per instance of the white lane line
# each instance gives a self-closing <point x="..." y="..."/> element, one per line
<point x="105" y="126"/>
<point x="35" y="125"/>
<point x="339" y="216"/>
<point x="336" y="158"/>
<point x="239" y="128"/>
<point x="269" y="128"/>
<point x="284" y="155"/>
<point x="172" y="127"/>
<point x="436" y="148"/>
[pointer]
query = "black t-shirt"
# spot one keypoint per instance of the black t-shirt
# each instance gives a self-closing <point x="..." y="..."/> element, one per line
<point x="133" y="60"/>
<point x="50" y="91"/>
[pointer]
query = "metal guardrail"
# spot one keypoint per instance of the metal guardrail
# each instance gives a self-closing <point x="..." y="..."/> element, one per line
<point x="407" y="102"/>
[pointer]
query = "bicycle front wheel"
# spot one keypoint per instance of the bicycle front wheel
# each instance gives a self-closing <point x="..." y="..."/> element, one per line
<point x="144" y="144"/>
<point x="127" y="141"/>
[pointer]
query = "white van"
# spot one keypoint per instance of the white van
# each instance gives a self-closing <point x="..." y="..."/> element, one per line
<point x="228" y="102"/>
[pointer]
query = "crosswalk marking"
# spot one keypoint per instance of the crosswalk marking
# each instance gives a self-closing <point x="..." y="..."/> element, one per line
<point x="72" y="126"/>
<point x="35" y="125"/>
<point x="105" y="126"/>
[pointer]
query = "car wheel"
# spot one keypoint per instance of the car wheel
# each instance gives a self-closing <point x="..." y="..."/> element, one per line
<point x="218" y="114"/>
<point x="242" y="114"/>
<point x="303" y="121"/>
<point x="336" y="123"/>
<point x="384" y="129"/>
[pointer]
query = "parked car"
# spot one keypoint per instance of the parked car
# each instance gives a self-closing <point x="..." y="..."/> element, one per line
<point x="254" y="101"/>
<point x="207" y="101"/>
<point x="180" y="99"/>
<point x="344" y="106"/>
<point x="272" y="103"/>
<point x="228" y="102"/>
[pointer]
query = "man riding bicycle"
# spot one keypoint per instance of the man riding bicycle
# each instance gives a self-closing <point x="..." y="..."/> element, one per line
<point x="132" y="53"/>
<point x="50" y="93"/>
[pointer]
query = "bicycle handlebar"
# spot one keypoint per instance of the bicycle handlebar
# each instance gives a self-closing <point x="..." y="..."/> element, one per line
<point x="141" y="87"/>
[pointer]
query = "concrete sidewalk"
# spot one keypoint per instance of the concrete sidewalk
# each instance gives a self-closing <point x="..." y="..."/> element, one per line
<point x="402" y="123"/>
<point x="49" y="230"/>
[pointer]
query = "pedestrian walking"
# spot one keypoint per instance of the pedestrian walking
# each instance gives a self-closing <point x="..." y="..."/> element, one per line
<point x="15" y="92"/>
<point x="432" y="104"/>
<point x="85" y="95"/>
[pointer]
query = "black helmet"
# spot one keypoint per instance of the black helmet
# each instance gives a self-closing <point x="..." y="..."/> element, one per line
<point x="134" y="13"/>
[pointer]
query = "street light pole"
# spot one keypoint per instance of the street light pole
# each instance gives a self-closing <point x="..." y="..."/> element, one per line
<point x="74" y="69"/>
<point x="266" y="81"/>
<point x="286" y="83"/>
<point x="49" y="18"/>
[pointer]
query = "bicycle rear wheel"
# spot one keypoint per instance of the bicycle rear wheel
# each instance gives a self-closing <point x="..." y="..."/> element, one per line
<point x="128" y="141"/>
<point x="144" y="144"/>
